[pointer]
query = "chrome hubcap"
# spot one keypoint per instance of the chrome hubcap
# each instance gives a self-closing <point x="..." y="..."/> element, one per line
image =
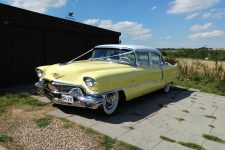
<point x="110" y="101"/>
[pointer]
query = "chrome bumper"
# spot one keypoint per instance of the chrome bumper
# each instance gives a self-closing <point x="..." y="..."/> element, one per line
<point x="81" y="99"/>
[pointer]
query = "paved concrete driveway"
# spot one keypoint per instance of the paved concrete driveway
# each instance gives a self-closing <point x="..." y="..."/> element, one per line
<point x="180" y="115"/>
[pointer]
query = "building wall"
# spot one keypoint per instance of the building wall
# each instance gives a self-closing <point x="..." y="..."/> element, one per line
<point x="24" y="46"/>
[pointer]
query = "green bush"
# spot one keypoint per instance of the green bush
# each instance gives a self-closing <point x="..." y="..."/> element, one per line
<point x="195" y="54"/>
<point x="202" y="77"/>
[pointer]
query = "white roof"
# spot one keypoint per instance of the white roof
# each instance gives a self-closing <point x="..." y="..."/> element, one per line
<point x="130" y="47"/>
<point x="122" y="46"/>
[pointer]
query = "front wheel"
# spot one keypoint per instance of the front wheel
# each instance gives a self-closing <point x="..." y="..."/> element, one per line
<point x="110" y="103"/>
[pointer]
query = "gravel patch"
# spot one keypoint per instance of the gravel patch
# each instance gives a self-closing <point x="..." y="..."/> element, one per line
<point x="54" y="136"/>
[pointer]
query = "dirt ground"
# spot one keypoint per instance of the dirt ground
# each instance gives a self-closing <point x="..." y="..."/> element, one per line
<point x="19" y="123"/>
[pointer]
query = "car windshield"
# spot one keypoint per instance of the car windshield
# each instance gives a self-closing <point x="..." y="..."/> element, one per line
<point x="116" y="55"/>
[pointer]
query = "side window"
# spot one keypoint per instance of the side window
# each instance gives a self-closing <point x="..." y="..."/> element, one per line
<point x="143" y="58"/>
<point x="130" y="57"/>
<point x="155" y="59"/>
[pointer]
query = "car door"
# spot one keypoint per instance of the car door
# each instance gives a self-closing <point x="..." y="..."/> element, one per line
<point x="156" y="72"/>
<point x="143" y="72"/>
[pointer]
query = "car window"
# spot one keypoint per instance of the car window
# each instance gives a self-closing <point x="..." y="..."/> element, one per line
<point x="99" y="54"/>
<point x="155" y="59"/>
<point x="143" y="58"/>
<point x="113" y="54"/>
<point x="119" y="55"/>
<point x="131" y="57"/>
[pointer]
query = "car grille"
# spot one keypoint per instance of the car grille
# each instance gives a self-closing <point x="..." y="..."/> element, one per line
<point x="59" y="88"/>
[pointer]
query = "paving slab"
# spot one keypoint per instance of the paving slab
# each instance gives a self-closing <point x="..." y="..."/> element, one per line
<point x="59" y="113"/>
<point x="211" y="145"/>
<point x="82" y="121"/>
<point x="140" y="139"/>
<point x="196" y="129"/>
<point x="41" y="98"/>
<point x="164" y="145"/>
<point x="218" y="133"/>
<point x="112" y="130"/>
<point x="182" y="135"/>
<point x="142" y="121"/>
<point x="2" y="148"/>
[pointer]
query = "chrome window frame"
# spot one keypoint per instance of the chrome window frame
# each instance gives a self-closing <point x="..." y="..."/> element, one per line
<point x="128" y="49"/>
<point x="160" y="59"/>
<point x="146" y="51"/>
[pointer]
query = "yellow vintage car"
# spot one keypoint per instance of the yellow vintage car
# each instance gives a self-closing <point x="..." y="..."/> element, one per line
<point x="113" y="73"/>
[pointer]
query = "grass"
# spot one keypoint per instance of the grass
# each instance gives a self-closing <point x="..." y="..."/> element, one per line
<point x="211" y="126"/>
<point x="21" y="98"/>
<point x="43" y="122"/>
<point x="2" y="110"/>
<point x="210" y="87"/>
<point x="213" y="138"/>
<point x="186" y="111"/>
<point x="186" y="144"/>
<point x="210" y="116"/>
<point x="192" y="145"/>
<point x="107" y="142"/>
<point x="202" y="108"/>
<point x="5" y="138"/>
<point x="198" y="75"/>
<point x="90" y="131"/>
<point x="180" y="119"/>
<point x="167" y="139"/>
<point x="66" y="123"/>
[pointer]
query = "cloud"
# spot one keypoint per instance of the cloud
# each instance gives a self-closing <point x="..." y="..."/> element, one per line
<point x="185" y="6"/>
<point x="91" y="21"/>
<point x="215" y="14"/>
<point x="191" y="16"/>
<point x="198" y="27"/>
<point x="207" y="35"/>
<point x="207" y="15"/>
<point x="132" y="29"/>
<point x="219" y="14"/>
<point x="40" y="6"/>
<point x="154" y="7"/>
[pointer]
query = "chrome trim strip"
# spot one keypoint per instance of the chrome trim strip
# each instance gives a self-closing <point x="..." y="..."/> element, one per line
<point x="105" y="92"/>
<point x="124" y="88"/>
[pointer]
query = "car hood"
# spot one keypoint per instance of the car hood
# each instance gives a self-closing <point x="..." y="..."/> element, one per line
<point x="73" y="73"/>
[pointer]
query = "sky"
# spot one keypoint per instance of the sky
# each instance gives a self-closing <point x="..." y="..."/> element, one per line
<point x="155" y="23"/>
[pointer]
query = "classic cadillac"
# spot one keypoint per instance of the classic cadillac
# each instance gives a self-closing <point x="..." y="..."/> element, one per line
<point x="113" y="73"/>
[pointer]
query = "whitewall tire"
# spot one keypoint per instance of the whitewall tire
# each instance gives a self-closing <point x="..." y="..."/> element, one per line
<point x="110" y="103"/>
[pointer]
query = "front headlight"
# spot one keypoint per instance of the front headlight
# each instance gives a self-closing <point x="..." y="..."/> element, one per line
<point x="39" y="73"/>
<point x="89" y="81"/>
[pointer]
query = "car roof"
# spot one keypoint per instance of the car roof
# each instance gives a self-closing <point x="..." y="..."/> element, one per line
<point x="130" y="47"/>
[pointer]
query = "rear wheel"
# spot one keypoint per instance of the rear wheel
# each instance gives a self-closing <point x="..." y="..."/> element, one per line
<point x="110" y="103"/>
<point x="167" y="87"/>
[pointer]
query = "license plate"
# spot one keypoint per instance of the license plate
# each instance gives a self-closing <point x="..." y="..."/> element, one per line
<point x="67" y="99"/>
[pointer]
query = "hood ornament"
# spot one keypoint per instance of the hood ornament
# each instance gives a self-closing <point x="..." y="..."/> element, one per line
<point x="56" y="75"/>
